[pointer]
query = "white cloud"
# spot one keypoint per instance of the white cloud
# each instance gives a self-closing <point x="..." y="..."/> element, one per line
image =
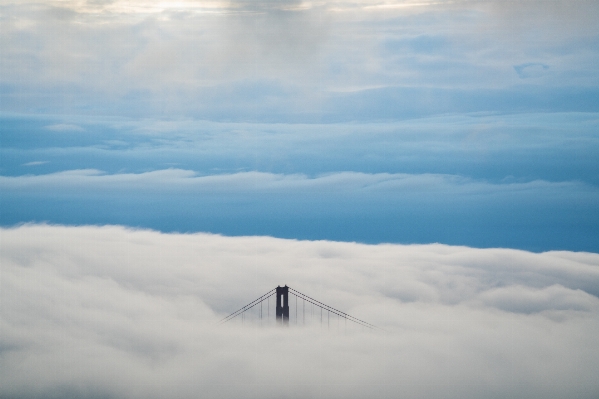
<point x="530" y="300"/>
<point x="355" y="182"/>
<point x="108" y="311"/>
<point x="35" y="163"/>
<point x="64" y="127"/>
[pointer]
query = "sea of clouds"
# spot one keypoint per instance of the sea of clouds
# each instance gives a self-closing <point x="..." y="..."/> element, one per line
<point x="114" y="312"/>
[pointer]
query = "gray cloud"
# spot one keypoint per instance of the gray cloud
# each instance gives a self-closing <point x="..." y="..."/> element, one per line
<point x="242" y="57"/>
<point x="112" y="312"/>
<point x="565" y="17"/>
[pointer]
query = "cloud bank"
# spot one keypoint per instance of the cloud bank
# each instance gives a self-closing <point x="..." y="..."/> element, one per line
<point x="113" y="312"/>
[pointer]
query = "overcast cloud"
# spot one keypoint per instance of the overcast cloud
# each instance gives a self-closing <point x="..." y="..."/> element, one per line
<point x="112" y="312"/>
<point x="298" y="61"/>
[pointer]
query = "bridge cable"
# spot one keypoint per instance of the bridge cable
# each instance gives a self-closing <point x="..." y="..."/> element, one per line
<point x="305" y="298"/>
<point x="248" y="306"/>
<point x="336" y="311"/>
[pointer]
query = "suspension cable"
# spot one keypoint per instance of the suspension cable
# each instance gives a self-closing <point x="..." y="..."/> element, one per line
<point x="246" y="307"/>
<point x="305" y="298"/>
<point x="336" y="311"/>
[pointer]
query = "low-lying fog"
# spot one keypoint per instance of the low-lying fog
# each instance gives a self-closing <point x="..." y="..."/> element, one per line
<point x="114" y="312"/>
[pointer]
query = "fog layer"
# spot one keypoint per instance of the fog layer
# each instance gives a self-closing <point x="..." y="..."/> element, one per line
<point x="114" y="312"/>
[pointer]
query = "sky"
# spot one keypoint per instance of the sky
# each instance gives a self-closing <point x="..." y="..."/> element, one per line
<point x="162" y="163"/>
<point x="464" y="123"/>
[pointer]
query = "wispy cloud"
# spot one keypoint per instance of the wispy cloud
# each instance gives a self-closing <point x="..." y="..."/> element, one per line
<point x="354" y="182"/>
<point x="35" y="163"/>
<point x="64" y="127"/>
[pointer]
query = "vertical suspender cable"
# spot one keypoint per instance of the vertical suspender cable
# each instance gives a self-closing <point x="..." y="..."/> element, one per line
<point x="260" y="312"/>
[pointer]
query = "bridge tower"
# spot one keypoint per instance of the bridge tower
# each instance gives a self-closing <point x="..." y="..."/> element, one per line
<point x="283" y="305"/>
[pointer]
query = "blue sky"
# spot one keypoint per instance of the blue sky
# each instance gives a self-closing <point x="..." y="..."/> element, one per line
<point x="467" y="123"/>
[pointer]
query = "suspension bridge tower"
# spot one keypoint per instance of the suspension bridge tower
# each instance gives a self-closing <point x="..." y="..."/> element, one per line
<point x="283" y="305"/>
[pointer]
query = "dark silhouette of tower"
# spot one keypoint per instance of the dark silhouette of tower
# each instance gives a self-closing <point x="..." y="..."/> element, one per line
<point x="283" y="305"/>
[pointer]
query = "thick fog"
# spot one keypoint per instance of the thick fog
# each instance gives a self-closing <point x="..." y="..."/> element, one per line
<point x="114" y="312"/>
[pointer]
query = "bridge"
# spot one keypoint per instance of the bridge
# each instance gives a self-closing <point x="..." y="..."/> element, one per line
<point x="259" y="311"/>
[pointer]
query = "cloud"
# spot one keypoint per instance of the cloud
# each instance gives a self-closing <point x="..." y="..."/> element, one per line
<point x="64" y="127"/>
<point x="35" y="163"/>
<point x="109" y="311"/>
<point x="566" y="18"/>
<point x="526" y="300"/>
<point x="543" y="146"/>
<point x="179" y="180"/>
<point x="242" y="60"/>
<point x="530" y="70"/>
